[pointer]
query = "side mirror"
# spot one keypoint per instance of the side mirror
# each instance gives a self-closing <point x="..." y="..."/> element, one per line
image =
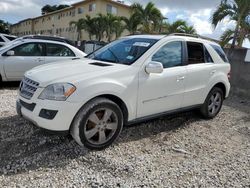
<point x="154" y="67"/>
<point x="10" y="53"/>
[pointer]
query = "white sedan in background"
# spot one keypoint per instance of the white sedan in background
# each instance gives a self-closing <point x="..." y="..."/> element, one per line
<point x="18" y="57"/>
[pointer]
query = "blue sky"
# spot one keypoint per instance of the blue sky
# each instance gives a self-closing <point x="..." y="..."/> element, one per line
<point x="195" y="12"/>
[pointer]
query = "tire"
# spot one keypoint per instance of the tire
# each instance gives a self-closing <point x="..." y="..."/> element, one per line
<point x="213" y="103"/>
<point x="98" y="124"/>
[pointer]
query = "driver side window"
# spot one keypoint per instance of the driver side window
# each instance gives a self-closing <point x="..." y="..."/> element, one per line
<point x="29" y="49"/>
<point x="170" y="55"/>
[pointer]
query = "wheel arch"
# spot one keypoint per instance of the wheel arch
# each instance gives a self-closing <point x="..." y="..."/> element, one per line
<point x="114" y="99"/>
<point x="222" y="87"/>
<point x="119" y="102"/>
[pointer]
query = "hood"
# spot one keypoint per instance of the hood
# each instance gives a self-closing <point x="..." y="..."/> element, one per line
<point x="70" y="71"/>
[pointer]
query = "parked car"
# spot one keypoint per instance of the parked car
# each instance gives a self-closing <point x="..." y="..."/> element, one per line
<point x="4" y="38"/>
<point x="22" y="55"/>
<point x="130" y="80"/>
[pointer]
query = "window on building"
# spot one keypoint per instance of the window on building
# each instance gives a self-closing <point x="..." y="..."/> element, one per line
<point x="80" y="10"/>
<point x="111" y="9"/>
<point x="170" y="55"/>
<point x="92" y="7"/>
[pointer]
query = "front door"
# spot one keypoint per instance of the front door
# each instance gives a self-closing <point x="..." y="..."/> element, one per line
<point x="163" y="92"/>
<point x="26" y="56"/>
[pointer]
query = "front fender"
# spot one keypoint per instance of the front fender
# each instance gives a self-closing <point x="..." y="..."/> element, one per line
<point x="126" y="92"/>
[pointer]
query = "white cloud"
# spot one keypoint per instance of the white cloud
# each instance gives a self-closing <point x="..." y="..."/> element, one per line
<point x="164" y="11"/>
<point x="200" y="21"/>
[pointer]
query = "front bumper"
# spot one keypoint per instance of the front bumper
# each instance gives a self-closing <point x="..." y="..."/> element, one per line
<point x="65" y="113"/>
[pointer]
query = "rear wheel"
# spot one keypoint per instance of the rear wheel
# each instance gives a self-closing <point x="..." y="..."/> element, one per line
<point x="213" y="103"/>
<point x="98" y="124"/>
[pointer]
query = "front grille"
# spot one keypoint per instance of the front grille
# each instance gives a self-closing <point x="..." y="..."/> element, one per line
<point x="28" y="87"/>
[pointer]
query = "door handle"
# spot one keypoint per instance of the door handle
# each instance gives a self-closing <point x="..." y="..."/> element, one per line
<point x="180" y="78"/>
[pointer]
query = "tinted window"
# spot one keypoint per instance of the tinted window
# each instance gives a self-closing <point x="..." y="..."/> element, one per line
<point x="195" y="53"/>
<point x="123" y="51"/>
<point x="220" y="52"/>
<point x="58" y="50"/>
<point x="169" y="55"/>
<point x="29" y="49"/>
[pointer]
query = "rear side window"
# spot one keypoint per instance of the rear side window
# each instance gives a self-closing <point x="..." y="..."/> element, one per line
<point x="59" y="50"/>
<point x="195" y="53"/>
<point x="220" y="52"/>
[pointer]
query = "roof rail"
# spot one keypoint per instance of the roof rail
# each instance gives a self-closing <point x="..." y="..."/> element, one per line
<point x="185" y="34"/>
<point x="193" y="35"/>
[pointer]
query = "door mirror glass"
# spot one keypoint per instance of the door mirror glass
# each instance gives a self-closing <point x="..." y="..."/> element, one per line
<point x="154" y="67"/>
<point x="10" y="53"/>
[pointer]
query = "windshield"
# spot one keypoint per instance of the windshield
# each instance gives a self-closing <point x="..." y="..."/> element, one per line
<point x="123" y="51"/>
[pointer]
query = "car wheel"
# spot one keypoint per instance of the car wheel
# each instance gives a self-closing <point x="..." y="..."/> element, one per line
<point x="213" y="103"/>
<point x="97" y="124"/>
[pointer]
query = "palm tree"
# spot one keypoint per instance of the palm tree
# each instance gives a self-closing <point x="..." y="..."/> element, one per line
<point x="110" y="21"/>
<point x="179" y="26"/>
<point x="237" y="10"/>
<point x="99" y="26"/>
<point x="131" y="23"/>
<point x="88" y="26"/>
<point x="188" y="29"/>
<point x="79" y="25"/>
<point x="228" y="35"/>
<point x="119" y="27"/>
<point x="148" y="16"/>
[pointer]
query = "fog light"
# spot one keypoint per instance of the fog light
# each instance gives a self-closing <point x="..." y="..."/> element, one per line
<point x="48" y="114"/>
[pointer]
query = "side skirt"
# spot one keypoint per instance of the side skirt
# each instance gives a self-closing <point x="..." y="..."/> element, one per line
<point x="155" y="116"/>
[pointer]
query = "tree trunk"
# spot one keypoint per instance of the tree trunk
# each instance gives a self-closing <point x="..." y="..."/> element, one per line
<point x="235" y="34"/>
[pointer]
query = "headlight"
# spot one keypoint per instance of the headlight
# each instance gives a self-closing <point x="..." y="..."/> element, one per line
<point x="57" y="92"/>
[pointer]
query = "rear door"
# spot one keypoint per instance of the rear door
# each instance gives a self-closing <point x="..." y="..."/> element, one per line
<point x="26" y="56"/>
<point x="58" y="52"/>
<point x="199" y="65"/>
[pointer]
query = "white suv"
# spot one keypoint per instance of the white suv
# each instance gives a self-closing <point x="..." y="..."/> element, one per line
<point x="133" y="79"/>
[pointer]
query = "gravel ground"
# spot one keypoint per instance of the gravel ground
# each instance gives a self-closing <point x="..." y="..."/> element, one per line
<point x="174" y="151"/>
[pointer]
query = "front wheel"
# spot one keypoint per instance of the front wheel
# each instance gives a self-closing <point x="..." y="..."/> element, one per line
<point x="97" y="124"/>
<point x="213" y="103"/>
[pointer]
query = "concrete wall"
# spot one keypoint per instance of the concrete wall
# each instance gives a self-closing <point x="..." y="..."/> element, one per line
<point x="240" y="72"/>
